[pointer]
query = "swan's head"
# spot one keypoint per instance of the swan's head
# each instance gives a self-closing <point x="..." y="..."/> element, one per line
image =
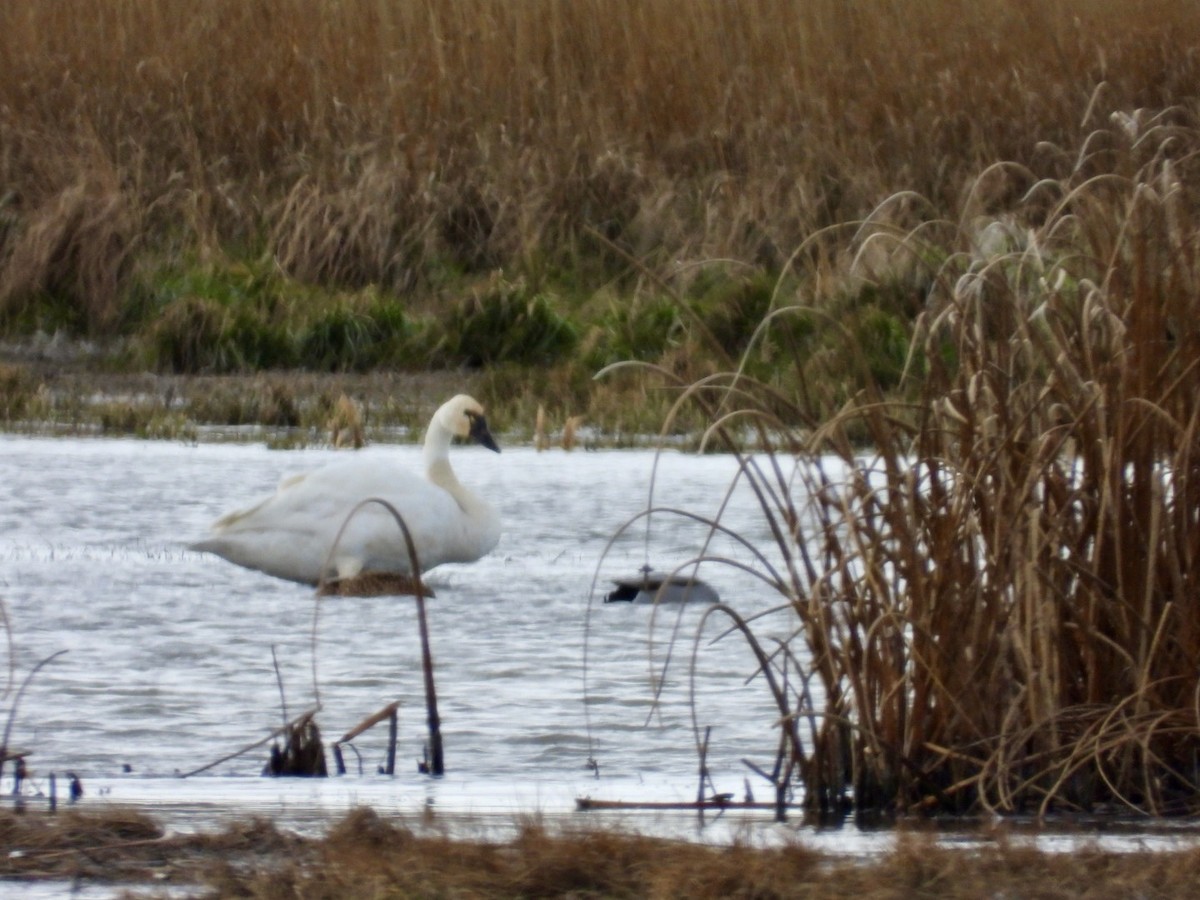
<point x="463" y="417"/>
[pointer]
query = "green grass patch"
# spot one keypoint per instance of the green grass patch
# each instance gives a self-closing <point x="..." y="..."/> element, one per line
<point x="506" y="322"/>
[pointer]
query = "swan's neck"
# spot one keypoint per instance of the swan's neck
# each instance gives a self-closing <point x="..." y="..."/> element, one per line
<point x="438" y="471"/>
<point x="480" y="523"/>
<point x="437" y="453"/>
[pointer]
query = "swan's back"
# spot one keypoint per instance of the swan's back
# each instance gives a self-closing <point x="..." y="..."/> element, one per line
<point x="290" y="533"/>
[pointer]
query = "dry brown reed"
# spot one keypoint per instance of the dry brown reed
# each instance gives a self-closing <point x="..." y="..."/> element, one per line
<point x="373" y="142"/>
<point x="994" y="584"/>
<point x="366" y="855"/>
<point x="346" y="424"/>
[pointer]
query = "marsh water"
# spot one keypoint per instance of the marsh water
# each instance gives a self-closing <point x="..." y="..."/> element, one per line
<point x="170" y="655"/>
<point x="174" y="660"/>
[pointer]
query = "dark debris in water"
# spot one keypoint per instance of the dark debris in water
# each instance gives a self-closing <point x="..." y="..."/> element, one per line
<point x="649" y="586"/>
<point x="302" y="753"/>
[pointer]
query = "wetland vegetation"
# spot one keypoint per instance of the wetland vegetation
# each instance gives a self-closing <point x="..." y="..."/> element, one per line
<point x="963" y="237"/>
<point x="475" y="188"/>
<point x="364" y="855"/>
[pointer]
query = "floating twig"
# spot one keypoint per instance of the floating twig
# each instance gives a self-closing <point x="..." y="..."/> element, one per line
<point x="299" y="720"/>
<point x="719" y="802"/>
<point x="389" y="712"/>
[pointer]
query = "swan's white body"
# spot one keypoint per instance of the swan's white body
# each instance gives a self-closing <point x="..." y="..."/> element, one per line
<point x="290" y="533"/>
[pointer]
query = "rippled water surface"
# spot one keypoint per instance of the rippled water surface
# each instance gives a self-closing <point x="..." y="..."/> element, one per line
<point x="168" y="663"/>
<point x="168" y="653"/>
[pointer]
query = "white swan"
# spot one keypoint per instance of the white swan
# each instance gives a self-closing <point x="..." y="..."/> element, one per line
<point x="289" y="534"/>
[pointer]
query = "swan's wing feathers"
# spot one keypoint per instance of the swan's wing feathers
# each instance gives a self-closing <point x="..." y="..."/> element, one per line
<point x="291" y="532"/>
<point x="305" y="502"/>
<point x="230" y="520"/>
<point x="291" y="480"/>
<point x="289" y="488"/>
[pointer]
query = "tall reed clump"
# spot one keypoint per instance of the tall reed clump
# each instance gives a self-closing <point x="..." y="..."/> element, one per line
<point x="994" y="585"/>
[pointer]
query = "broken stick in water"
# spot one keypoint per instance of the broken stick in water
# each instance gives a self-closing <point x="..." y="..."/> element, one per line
<point x="389" y="712"/>
<point x="302" y="719"/>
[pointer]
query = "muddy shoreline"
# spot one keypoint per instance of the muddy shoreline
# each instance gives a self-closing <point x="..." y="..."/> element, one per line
<point x="82" y="369"/>
<point x="52" y="388"/>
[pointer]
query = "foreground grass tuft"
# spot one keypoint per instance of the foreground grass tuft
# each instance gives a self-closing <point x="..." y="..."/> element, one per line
<point x="365" y="855"/>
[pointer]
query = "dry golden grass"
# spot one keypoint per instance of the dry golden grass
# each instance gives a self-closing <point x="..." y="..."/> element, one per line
<point x="372" y="142"/>
<point x="364" y="855"/>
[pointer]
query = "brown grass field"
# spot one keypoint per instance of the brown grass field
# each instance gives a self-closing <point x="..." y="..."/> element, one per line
<point x="963" y="236"/>
<point x="366" y="142"/>
<point x="254" y="185"/>
<point x="365" y="856"/>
